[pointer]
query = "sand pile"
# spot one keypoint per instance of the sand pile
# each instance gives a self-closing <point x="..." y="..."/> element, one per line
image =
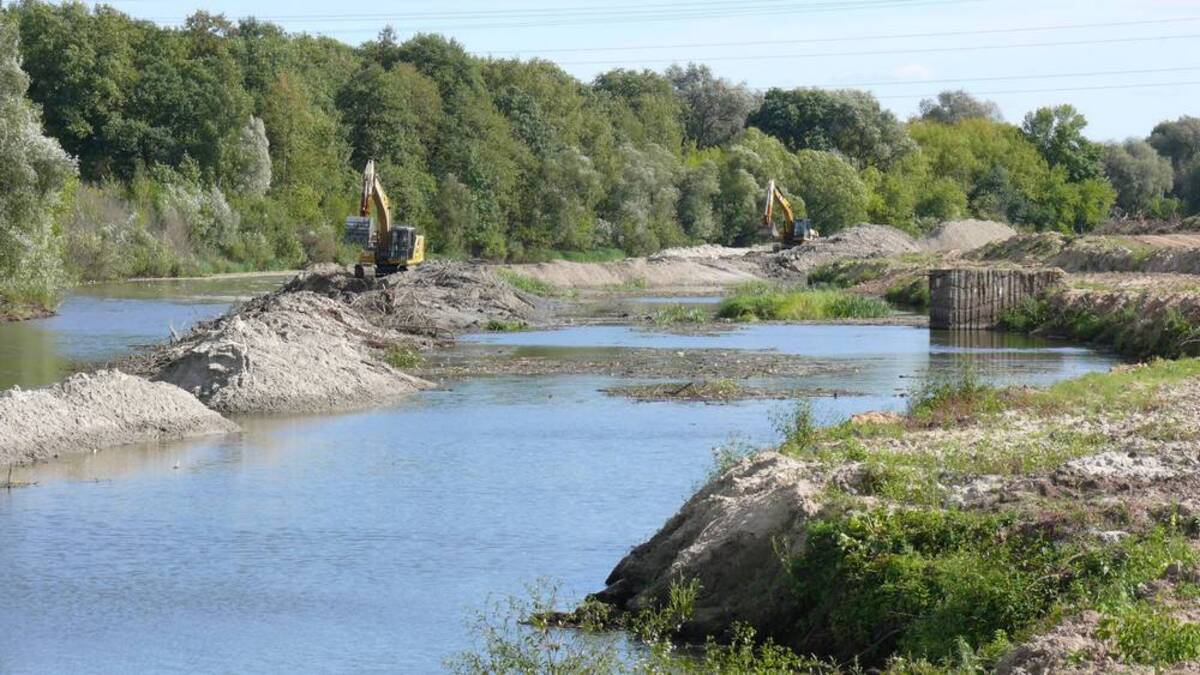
<point x="860" y="241"/>
<point x="705" y="252"/>
<point x="434" y="299"/>
<point x="287" y="352"/>
<point x="92" y="411"/>
<point x="687" y="273"/>
<point x="965" y="235"/>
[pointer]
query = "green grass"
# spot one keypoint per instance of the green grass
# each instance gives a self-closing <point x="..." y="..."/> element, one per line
<point x="1142" y="633"/>
<point x="501" y="326"/>
<point x="925" y="583"/>
<point x="529" y="284"/>
<point x="677" y="314"/>
<point x="402" y="357"/>
<point x="846" y="273"/>
<point x="759" y="303"/>
<point x="909" y="292"/>
<point x="1169" y="334"/>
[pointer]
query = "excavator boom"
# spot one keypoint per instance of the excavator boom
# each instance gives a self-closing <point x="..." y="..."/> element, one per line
<point x="787" y="235"/>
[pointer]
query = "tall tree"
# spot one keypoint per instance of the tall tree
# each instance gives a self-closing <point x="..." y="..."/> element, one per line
<point x="850" y="122"/>
<point x="34" y="170"/>
<point x="955" y="106"/>
<point x="1140" y="175"/>
<point x="714" y="109"/>
<point x="1057" y="133"/>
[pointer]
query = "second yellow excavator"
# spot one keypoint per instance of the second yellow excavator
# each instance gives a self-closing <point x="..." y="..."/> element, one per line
<point x="389" y="249"/>
<point x="794" y="232"/>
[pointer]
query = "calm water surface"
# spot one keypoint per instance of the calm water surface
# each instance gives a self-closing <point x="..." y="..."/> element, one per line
<point x="365" y="542"/>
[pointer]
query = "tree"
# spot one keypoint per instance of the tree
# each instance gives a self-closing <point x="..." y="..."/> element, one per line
<point x="850" y="122"/>
<point x="643" y="107"/>
<point x="832" y="191"/>
<point x="1058" y="134"/>
<point x="247" y="167"/>
<point x="1140" y="175"/>
<point x="714" y="109"/>
<point x="699" y="185"/>
<point x="952" y="107"/>
<point x="1178" y="141"/>
<point x="34" y="170"/>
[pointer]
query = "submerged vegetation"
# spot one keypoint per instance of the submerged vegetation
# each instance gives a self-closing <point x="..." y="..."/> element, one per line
<point x="761" y="301"/>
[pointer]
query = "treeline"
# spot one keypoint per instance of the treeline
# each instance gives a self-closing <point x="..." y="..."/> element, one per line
<point x="221" y="146"/>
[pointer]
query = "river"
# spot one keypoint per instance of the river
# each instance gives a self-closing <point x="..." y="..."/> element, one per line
<point x="368" y="541"/>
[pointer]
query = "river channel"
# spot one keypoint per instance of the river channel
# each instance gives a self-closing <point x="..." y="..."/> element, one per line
<point x="367" y="541"/>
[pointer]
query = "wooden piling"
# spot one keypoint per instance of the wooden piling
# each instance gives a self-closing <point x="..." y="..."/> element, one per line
<point x="973" y="298"/>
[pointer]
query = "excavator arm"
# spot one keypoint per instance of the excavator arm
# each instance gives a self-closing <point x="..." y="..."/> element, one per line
<point x="373" y="194"/>
<point x="786" y="235"/>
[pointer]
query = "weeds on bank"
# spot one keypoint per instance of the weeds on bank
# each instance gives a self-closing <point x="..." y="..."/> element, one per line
<point x="677" y="314"/>
<point x="1130" y="333"/>
<point x="948" y="401"/>
<point x="634" y="284"/>
<point x="531" y="637"/>
<point x="936" y="586"/>
<point x="403" y="357"/>
<point x="501" y="326"/>
<point x="910" y="292"/>
<point x="847" y="273"/>
<point x="759" y="301"/>
<point x="528" y="284"/>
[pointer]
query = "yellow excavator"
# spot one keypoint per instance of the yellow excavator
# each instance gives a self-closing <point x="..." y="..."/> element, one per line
<point x="794" y="232"/>
<point x="389" y="249"/>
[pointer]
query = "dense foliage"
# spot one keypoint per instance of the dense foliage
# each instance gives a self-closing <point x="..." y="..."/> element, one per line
<point x="220" y="146"/>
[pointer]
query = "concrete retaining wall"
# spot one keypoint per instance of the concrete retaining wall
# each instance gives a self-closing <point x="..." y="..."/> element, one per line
<point x="973" y="298"/>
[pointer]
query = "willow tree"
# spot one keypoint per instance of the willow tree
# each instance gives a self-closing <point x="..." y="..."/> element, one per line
<point x="34" y="171"/>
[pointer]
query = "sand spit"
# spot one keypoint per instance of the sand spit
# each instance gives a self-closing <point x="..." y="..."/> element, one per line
<point x="89" y="412"/>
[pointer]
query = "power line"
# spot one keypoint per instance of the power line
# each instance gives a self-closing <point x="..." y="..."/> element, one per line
<point x="856" y="38"/>
<point x="656" y="16"/>
<point x="678" y="9"/>
<point x="885" y="52"/>
<point x="1002" y="78"/>
<point x="1102" y="87"/>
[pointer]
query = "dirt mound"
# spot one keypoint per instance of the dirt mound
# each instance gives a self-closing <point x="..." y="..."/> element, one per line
<point x="965" y="235"/>
<point x="860" y="241"/>
<point x="435" y="299"/>
<point x="726" y="537"/>
<point x="1149" y="226"/>
<point x="92" y="411"/>
<point x="705" y="252"/>
<point x="287" y="352"/>
<point x="641" y="273"/>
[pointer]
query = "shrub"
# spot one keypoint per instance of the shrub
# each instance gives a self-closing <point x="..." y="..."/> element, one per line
<point x="403" y="357"/>
<point x="912" y="292"/>
<point x="756" y="303"/>
<point x="528" y="283"/>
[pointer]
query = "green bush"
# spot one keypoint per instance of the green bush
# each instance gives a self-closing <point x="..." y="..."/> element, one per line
<point x="757" y="303"/>
<point x="919" y="584"/>
<point x="528" y="283"/>
<point x="912" y="292"/>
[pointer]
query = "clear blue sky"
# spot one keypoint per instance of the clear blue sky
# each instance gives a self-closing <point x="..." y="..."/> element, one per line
<point x="788" y="43"/>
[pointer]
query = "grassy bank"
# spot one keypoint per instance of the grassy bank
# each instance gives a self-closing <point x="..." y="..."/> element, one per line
<point x="761" y="301"/>
<point x="1139" y="327"/>
<point x="904" y="571"/>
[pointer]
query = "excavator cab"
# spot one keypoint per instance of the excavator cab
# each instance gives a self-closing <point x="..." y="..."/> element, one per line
<point x="389" y="249"/>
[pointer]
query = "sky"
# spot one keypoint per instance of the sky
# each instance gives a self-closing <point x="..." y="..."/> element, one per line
<point x="1126" y="64"/>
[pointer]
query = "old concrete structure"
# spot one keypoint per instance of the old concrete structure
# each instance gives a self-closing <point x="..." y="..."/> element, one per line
<point x="973" y="298"/>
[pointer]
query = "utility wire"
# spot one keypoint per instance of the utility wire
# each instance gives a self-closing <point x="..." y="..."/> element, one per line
<point x="884" y="52"/>
<point x="677" y="9"/>
<point x="1002" y="78"/>
<point x="853" y="38"/>
<point x="1102" y="87"/>
<point x="628" y="18"/>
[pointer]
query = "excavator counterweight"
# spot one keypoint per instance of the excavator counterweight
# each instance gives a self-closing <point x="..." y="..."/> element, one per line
<point x="388" y="248"/>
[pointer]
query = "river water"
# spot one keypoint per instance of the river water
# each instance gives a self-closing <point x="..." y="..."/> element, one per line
<point x="368" y="541"/>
